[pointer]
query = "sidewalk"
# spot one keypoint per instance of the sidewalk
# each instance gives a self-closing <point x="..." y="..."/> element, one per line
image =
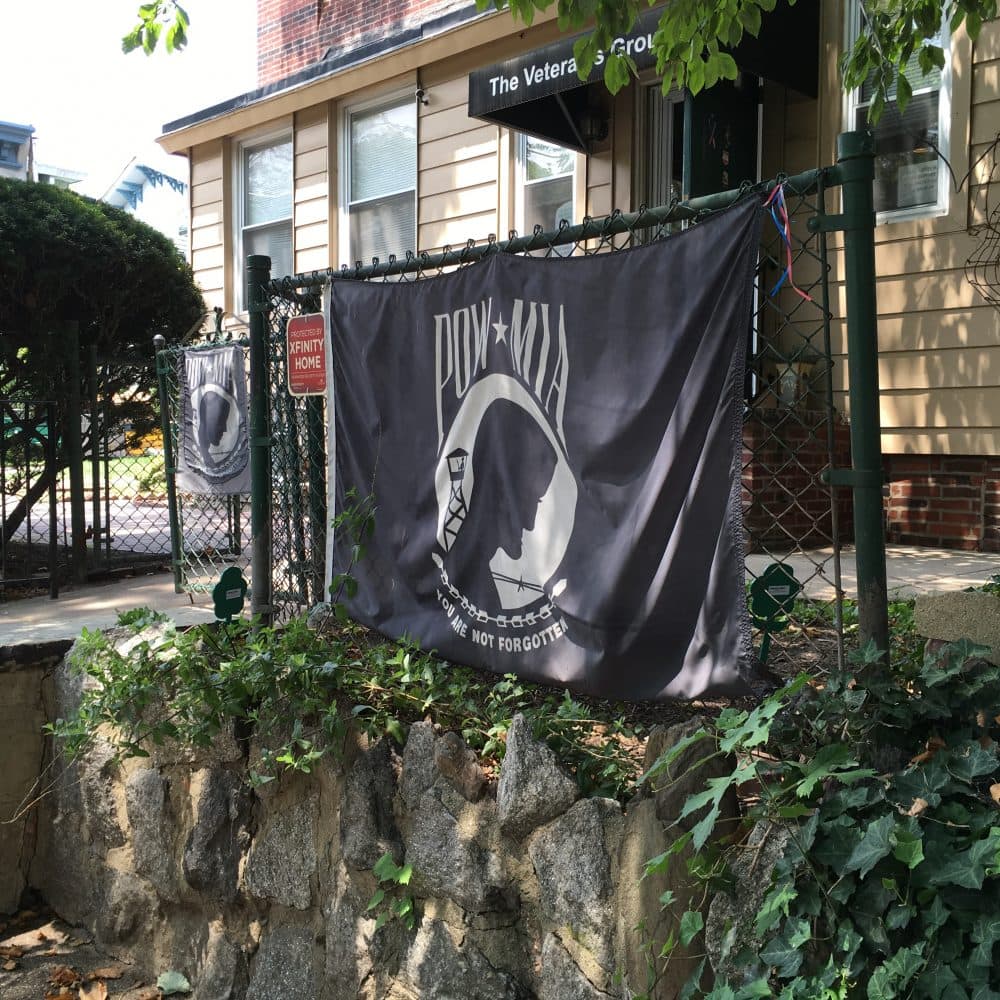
<point x="910" y="571"/>
<point x="39" y="619"/>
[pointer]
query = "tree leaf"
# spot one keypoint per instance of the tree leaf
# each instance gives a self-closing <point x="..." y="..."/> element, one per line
<point x="874" y="846"/>
<point x="692" y="924"/>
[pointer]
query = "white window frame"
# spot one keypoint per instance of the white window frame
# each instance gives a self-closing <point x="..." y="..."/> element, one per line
<point x="521" y="181"/>
<point x="852" y="102"/>
<point x="344" y="214"/>
<point x="271" y="137"/>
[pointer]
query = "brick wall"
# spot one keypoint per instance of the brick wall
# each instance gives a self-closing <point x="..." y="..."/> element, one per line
<point x="293" y="34"/>
<point x="948" y="501"/>
<point x="785" y="503"/>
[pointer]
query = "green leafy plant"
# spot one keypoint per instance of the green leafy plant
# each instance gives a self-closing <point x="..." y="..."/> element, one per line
<point x="192" y="686"/>
<point x="887" y="782"/>
<point x="390" y="901"/>
<point x="139" y="618"/>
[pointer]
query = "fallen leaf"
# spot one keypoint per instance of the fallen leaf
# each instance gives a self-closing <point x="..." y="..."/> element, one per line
<point x="107" y="972"/>
<point x="934" y="744"/>
<point x="64" y="975"/>
<point x="62" y="993"/>
<point x="95" y="991"/>
<point x="10" y="965"/>
<point x="172" y="982"/>
<point x="10" y="951"/>
<point x="919" y="805"/>
<point x="995" y="793"/>
<point x="148" y="993"/>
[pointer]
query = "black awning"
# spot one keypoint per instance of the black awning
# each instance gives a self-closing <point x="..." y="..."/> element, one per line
<point x="541" y="93"/>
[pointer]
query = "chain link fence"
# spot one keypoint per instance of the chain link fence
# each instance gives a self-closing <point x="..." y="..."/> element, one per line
<point x="792" y="431"/>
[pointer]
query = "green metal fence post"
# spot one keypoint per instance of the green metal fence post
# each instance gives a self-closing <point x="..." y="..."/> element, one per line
<point x="856" y="164"/>
<point x="169" y="469"/>
<point x="258" y="275"/>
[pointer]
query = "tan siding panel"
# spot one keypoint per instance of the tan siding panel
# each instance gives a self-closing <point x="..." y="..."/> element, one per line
<point x="451" y="121"/>
<point x="985" y="121"/>
<point x="213" y="297"/>
<point x="312" y="259"/>
<point x="988" y="43"/>
<point x="953" y="368"/>
<point x="452" y="148"/>
<point x="310" y="237"/>
<point x="953" y="442"/>
<point x="599" y="168"/>
<point x="466" y="173"/>
<point x="210" y="257"/>
<point x="206" y="215"/>
<point x="946" y="408"/>
<point x="942" y="290"/>
<point x="206" y="236"/>
<point x="948" y="251"/>
<point x="465" y="201"/>
<point x="307" y="212"/>
<point x="599" y="200"/>
<point x="206" y="164"/>
<point x="449" y="94"/>
<point x="313" y="162"/>
<point x="454" y="232"/>
<point x="986" y="82"/>
<point x="204" y="194"/>
<point x="210" y="280"/>
<point x="931" y="330"/>
<point x="311" y="135"/>
<point x="313" y="186"/>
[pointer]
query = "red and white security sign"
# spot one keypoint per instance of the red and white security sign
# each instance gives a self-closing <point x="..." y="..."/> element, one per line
<point x="306" y="343"/>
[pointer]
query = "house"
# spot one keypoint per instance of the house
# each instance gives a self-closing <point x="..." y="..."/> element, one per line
<point x="153" y="187"/>
<point x="16" y="150"/>
<point x="379" y="128"/>
<point x="17" y="159"/>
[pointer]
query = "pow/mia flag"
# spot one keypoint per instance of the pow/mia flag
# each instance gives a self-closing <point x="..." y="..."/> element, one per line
<point x="554" y="450"/>
<point x="214" y="453"/>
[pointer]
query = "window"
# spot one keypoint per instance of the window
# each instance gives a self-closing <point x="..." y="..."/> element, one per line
<point x="911" y="180"/>
<point x="8" y="153"/>
<point x="380" y="202"/>
<point x="265" y="207"/>
<point x="546" y="192"/>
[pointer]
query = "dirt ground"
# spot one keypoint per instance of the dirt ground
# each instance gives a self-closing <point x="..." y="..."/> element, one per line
<point x="43" y="958"/>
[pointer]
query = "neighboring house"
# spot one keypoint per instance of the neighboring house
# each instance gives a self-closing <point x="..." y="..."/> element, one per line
<point x="16" y="150"/>
<point x="17" y="159"/>
<point x="380" y="128"/>
<point x="153" y="187"/>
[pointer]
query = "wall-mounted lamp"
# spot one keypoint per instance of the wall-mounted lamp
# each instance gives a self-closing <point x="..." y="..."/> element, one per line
<point x="593" y="126"/>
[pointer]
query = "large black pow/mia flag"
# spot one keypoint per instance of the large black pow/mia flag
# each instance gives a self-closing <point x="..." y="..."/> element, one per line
<point x="554" y="450"/>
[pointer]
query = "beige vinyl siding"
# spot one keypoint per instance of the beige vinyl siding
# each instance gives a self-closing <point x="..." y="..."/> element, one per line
<point x="208" y="229"/>
<point x="312" y="189"/>
<point x="939" y="347"/>
<point x="457" y="169"/>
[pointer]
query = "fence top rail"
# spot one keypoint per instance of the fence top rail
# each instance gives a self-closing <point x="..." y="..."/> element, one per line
<point x="607" y="226"/>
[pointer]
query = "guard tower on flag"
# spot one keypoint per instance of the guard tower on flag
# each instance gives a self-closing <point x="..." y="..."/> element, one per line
<point x="457" y="509"/>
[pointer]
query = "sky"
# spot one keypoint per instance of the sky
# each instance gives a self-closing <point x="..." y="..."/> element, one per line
<point x="92" y="106"/>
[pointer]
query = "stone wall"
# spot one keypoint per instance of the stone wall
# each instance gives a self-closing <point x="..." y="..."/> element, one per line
<point x="23" y="670"/>
<point x="523" y="889"/>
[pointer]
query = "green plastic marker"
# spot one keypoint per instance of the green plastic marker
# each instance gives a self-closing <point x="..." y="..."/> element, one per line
<point x="772" y="595"/>
<point x="229" y="594"/>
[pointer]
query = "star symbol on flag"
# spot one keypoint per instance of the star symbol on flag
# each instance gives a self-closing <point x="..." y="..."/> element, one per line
<point x="501" y="328"/>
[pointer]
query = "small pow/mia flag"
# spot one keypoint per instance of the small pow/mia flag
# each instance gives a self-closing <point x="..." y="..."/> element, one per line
<point x="554" y="448"/>
<point x="214" y="454"/>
